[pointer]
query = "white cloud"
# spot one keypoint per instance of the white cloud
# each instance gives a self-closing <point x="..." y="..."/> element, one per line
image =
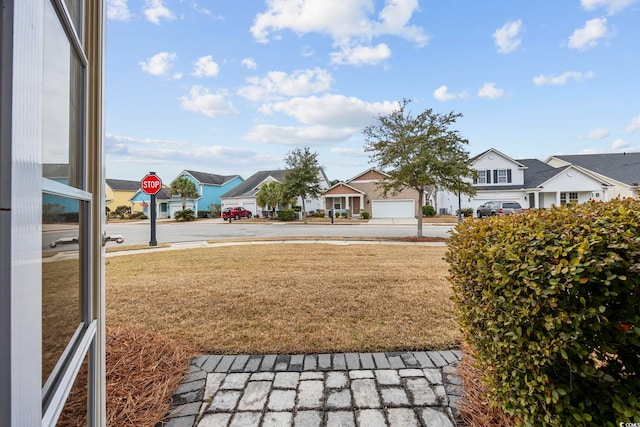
<point x="155" y="11"/>
<point x="325" y="120"/>
<point x="490" y="91"/>
<point x="278" y="83"/>
<point x="349" y="152"/>
<point x="562" y="78"/>
<point x="331" y="110"/>
<point x="118" y="10"/>
<point x="442" y="94"/>
<point x="634" y="126"/>
<point x="358" y="55"/>
<point x="507" y="37"/>
<point x="297" y="135"/>
<point x="590" y="35"/>
<point x="349" y="23"/>
<point x="201" y="100"/>
<point x="250" y="63"/>
<point x="619" y="144"/>
<point x="206" y="67"/>
<point x="200" y="9"/>
<point x="598" y="133"/>
<point x="159" y="64"/>
<point x="612" y="6"/>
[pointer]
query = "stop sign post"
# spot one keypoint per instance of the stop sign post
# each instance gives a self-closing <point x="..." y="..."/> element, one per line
<point x="151" y="184"/>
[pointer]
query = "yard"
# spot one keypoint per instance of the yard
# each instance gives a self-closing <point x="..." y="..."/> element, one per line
<point x="165" y="307"/>
<point x="292" y="298"/>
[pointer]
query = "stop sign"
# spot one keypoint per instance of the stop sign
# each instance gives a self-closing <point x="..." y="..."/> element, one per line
<point x="151" y="184"/>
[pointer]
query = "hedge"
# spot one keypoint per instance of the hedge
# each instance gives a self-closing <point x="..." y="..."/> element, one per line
<point x="549" y="302"/>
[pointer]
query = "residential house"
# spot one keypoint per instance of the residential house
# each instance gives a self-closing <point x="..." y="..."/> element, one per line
<point x="209" y="187"/>
<point x="362" y="194"/>
<point x="531" y="182"/>
<point x="244" y="195"/>
<point x="118" y="192"/>
<point x="622" y="170"/>
<point x="140" y="202"/>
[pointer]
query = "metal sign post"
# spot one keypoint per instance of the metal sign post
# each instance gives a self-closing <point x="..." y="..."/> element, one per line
<point x="151" y="184"/>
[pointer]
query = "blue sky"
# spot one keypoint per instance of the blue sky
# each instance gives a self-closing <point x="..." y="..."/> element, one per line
<point x="229" y="87"/>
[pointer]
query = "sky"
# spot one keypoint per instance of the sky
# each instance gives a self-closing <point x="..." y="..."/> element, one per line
<point x="231" y="87"/>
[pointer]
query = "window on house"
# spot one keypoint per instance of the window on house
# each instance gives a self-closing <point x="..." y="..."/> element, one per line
<point x="573" y="197"/>
<point x="482" y="177"/>
<point x="502" y="176"/>
<point x="337" y="203"/>
<point x="568" y="198"/>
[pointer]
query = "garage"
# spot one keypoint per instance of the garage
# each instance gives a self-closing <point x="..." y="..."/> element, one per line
<point x="175" y="208"/>
<point x="393" y="209"/>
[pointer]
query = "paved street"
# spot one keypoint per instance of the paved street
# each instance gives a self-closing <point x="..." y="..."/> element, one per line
<point x="215" y="229"/>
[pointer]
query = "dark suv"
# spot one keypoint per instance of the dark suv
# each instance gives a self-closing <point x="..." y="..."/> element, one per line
<point x="235" y="213"/>
<point x="498" y="208"/>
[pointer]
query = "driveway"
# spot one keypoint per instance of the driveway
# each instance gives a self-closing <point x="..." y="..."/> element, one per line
<point x="393" y="221"/>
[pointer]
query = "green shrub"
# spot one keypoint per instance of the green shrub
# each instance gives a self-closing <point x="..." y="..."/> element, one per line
<point x="428" y="210"/>
<point x="466" y="212"/>
<point x="286" y="215"/>
<point x="143" y="216"/>
<point x="549" y="303"/>
<point x="364" y="215"/>
<point x="185" y="215"/>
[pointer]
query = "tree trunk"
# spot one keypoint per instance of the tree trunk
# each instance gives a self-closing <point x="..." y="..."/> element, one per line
<point x="304" y="211"/>
<point x="419" y="212"/>
<point x="184" y="202"/>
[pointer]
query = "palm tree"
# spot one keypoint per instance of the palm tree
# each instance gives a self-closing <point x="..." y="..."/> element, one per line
<point x="270" y="194"/>
<point x="185" y="188"/>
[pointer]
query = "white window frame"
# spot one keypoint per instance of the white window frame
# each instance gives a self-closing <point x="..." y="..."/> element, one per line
<point x="502" y="175"/>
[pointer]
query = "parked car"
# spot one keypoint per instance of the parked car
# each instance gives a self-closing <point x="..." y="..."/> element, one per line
<point x="235" y="213"/>
<point x="494" y="208"/>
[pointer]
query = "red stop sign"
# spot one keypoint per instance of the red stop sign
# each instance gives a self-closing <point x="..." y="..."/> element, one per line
<point x="151" y="184"/>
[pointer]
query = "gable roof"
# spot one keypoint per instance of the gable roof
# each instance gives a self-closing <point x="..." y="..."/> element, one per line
<point x="209" y="178"/>
<point x="374" y="173"/>
<point x="250" y="186"/>
<point x="343" y="185"/>
<point x="538" y="172"/>
<point x="623" y="167"/>
<point x="123" y="185"/>
<point x="493" y="150"/>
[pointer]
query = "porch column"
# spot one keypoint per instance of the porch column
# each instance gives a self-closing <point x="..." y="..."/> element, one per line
<point x="557" y="198"/>
<point x="346" y="204"/>
<point x="536" y="200"/>
<point x="361" y="203"/>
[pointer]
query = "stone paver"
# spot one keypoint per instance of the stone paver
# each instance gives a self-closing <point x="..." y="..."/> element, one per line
<point x="343" y="389"/>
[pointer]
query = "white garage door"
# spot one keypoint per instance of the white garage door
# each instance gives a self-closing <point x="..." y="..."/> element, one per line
<point x="250" y="207"/>
<point x="176" y="208"/>
<point x="392" y="209"/>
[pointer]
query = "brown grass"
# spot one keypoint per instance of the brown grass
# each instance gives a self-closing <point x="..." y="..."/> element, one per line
<point x="293" y="298"/>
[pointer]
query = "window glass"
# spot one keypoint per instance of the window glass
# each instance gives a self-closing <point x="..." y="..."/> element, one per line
<point x="502" y="176"/>
<point x="61" y="283"/>
<point x="482" y="177"/>
<point x="74" y="7"/>
<point x="74" y="412"/>
<point x="63" y="106"/>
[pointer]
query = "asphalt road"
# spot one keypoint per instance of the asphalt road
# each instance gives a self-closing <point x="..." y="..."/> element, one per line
<point x="214" y="229"/>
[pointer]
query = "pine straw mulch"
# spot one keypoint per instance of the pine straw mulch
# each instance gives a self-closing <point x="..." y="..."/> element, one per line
<point x="474" y="407"/>
<point x="143" y="370"/>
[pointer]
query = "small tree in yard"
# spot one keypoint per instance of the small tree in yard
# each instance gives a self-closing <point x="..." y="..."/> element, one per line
<point x="417" y="152"/>
<point x="270" y="194"/>
<point x="302" y="178"/>
<point x="185" y="188"/>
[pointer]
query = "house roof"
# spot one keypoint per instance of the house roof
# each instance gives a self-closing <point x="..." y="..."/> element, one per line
<point x="623" y="167"/>
<point x="210" y="178"/>
<point x="250" y="186"/>
<point x="123" y="185"/>
<point x="493" y="150"/>
<point x="538" y="172"/>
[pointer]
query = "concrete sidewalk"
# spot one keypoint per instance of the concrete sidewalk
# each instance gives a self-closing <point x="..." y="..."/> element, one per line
<point x="342" y="389"/>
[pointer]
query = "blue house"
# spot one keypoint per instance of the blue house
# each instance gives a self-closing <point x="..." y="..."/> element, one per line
<point x="209" y="187"/>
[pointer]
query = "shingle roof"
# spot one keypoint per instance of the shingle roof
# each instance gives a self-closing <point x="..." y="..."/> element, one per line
<point x="210" y="178"/>
<point x="123" y="184"/>
<point x="623" y="167"/>
<point x="248" y="187"/>
<point x="538" y="172"/>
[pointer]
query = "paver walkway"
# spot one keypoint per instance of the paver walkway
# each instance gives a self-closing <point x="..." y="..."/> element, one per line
<point x="342" y="389"/>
